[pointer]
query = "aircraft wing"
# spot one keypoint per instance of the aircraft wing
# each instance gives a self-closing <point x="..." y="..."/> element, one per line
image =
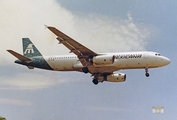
<point x="81" y="51"/>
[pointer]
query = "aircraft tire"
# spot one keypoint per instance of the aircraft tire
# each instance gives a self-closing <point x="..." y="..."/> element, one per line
<point x="95" y="81"/>
<point x="85" y="70"/>
<point x="147" y="74"/>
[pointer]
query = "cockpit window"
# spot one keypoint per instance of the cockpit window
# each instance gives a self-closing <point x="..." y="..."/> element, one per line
<point x="158" y="54"/>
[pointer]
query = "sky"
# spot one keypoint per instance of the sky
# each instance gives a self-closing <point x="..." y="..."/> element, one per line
<point x="102" y="26"/>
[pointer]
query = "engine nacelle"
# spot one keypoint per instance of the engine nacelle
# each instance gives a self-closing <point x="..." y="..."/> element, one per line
<point x="103" y="59"/>
<point x="116" y="77"/>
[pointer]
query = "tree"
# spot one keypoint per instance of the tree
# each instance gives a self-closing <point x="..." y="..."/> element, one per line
<point x="2" y="118"/>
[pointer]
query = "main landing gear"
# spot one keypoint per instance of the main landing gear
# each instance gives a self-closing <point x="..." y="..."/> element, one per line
<point x="147" y="74"/>
<point x="85" y="70"/>
<point x="95" y="81"/>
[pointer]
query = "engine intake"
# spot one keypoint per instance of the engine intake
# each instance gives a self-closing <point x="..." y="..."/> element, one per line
<point x="103" y="59"/>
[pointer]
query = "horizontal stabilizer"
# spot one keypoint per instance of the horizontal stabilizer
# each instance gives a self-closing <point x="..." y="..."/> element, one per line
<point x="19" y="56"/>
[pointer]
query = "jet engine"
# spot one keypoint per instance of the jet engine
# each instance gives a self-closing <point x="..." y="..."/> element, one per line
<point x="116" y="77"/>
<point x="103" y="59"/>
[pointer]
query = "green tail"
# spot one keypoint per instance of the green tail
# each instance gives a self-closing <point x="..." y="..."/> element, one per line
<point x="29" y="49"/>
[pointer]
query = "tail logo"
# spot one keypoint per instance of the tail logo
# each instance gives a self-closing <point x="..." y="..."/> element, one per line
<point x="29" y="49"/>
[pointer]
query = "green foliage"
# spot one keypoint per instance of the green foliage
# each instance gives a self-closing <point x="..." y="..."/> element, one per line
<point x="2" y="118"/>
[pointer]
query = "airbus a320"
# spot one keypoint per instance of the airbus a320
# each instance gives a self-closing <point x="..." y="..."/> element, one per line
<point x="101" y="66"/>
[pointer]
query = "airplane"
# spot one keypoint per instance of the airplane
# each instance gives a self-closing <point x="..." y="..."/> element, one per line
<point x="101" y="66"/>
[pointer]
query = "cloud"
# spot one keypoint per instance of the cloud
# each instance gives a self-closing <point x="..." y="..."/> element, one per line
<point x="29" y="81"/>
<point x="104" y="34"/>
<point x="16" y="102"/>
<point x="100" y="33"/>
<point x="27" y="18"/>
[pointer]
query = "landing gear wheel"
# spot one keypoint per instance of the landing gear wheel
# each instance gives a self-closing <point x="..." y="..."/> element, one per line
<point x="147" y="74"/>
<point x="85" y="70"/>
<point x="95" y="81"/>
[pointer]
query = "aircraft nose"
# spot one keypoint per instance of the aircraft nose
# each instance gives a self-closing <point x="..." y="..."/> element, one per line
<point x="166" y="61"/>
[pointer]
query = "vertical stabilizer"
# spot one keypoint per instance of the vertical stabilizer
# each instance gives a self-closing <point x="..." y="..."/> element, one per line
<point x="29" y="49"/>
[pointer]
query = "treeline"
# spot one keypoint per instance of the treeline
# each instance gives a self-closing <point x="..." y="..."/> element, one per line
<point x="2" y="118"/>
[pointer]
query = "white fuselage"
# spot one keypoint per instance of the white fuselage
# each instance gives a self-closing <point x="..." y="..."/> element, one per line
<point x="122" y="60"/>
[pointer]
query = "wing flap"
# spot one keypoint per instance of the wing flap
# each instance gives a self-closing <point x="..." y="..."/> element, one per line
<point x="70" y="47"/>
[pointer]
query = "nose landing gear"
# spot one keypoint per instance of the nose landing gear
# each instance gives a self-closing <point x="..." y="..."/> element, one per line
<point x="147" y="74"/>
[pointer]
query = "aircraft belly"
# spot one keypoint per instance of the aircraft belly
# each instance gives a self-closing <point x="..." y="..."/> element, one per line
<point x="102" y="69"/>
<point x="120" y="63"/>
<point x="61" y="65"/>
<point x="139" y="63"/>
<point x="132" y="63"/>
